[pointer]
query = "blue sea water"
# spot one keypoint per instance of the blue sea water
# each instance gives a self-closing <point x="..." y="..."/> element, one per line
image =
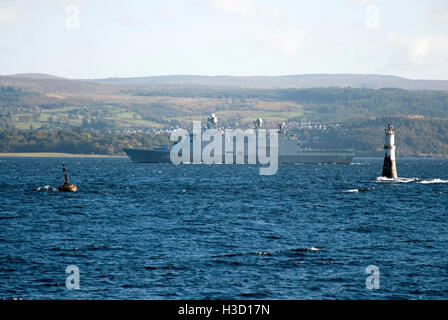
<point x="159" y="231"/>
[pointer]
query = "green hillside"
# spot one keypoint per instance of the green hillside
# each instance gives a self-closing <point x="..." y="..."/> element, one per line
<point x="61" y="115"/>
<point x="414" y="136"/>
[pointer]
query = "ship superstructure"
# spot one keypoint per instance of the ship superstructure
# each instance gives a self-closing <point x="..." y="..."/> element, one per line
<point x="289" y="150"/>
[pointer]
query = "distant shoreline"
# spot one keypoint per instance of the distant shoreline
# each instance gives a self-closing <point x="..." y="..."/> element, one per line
<point x="55" y="154"/>
<point x="80" y="155"/>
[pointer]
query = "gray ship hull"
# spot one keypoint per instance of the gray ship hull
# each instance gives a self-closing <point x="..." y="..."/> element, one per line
<point x="305" y="156"/>
<point x="150" y="156"/>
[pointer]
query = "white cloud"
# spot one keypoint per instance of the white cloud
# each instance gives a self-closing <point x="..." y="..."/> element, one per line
<point x="164" y="11"/>
<point x="272" y="12"/>
<point x="359" y="2"/>
<point x="418" y="49"/>
<point x="7" y="15"/>
<point x="234" y="7"/>
<point x="441" y="14"/>
<point x="245" y="8"/>
<point x="289" y="41"/>
<point x="431" y="50"/>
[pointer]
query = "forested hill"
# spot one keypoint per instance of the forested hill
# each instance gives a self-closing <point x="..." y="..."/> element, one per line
<point x="327" y="104"/>
<point x="414" y="136"/>
<point x="57" y="115"/>
<point x="372" y="81"/>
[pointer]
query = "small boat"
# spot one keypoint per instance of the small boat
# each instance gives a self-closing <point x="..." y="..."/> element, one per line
<point x="66" y="185"/>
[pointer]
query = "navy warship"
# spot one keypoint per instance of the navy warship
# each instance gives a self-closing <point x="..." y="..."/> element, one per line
<point x="289" y="150"/>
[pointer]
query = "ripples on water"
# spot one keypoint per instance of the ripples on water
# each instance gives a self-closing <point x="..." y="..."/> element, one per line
<point x="158" y="231"/>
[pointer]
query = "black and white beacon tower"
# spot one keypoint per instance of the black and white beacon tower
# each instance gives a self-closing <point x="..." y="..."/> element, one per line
<point x="389" y="167"/>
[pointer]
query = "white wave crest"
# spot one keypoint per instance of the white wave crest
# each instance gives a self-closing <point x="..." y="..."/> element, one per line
<point x="401" y="180"/>
<point x="46" y="188"/>
<point x="436" y="180"/>
<point x="407" y="180"/>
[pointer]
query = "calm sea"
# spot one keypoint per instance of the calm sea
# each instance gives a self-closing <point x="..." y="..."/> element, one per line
<point x="159" y="231"/>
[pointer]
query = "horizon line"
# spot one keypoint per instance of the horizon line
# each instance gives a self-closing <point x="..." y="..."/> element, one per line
<point x="43" y="74"/>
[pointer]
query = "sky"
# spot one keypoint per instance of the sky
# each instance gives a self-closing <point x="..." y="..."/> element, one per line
<point x="132" y="38"/>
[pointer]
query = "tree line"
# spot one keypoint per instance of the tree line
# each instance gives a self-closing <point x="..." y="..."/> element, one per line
<point x="76" y="140"/>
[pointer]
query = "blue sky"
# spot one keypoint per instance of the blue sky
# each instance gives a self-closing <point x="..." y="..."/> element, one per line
<point x="108" y="38"/>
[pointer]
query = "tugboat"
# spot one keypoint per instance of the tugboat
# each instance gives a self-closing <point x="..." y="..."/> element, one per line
<point x="66" y="186"/>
